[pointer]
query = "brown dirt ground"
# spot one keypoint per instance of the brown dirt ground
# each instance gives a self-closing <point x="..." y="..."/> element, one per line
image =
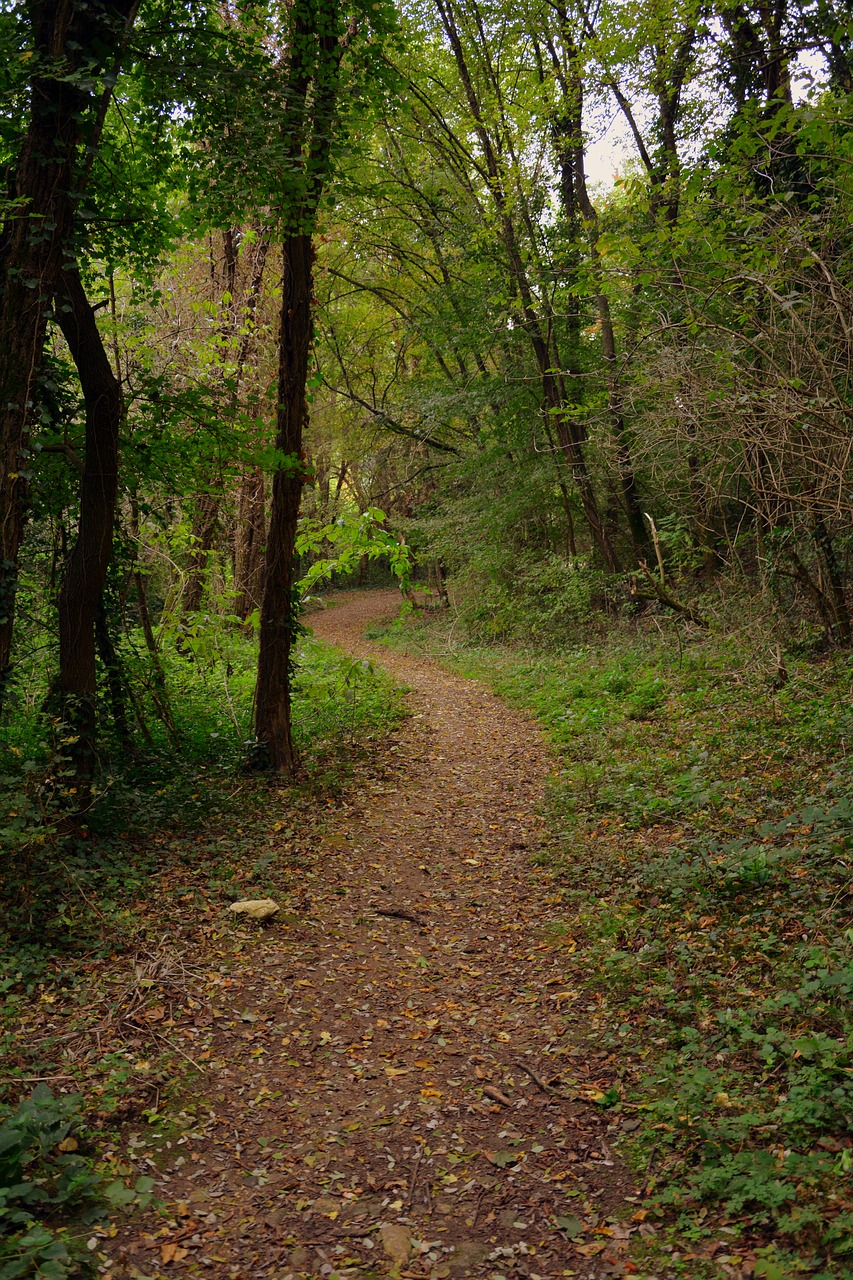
<point x="392" y="1086"/>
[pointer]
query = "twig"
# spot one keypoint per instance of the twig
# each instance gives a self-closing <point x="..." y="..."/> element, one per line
<point x="414" y="1178"/>
<point x="537" y="1080"/>
<point x="663" y="595"/>
<point x="33" y="1079"/>
<point x="183" y="1054"/>
<point x="658" y="552"/>
<point x="400" y="913"/>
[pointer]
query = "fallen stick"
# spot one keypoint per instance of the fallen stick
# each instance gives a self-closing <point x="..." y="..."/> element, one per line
<point x="400" y="913"/>
<point x="537" y="1080"/>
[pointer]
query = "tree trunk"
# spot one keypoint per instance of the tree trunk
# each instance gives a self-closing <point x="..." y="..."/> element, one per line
<point x="556" y="404"/>
<point x="569" y="132"/>
<point x="840" y="628"/>
<point x="115" y="677"/>
<point x="249" y="548"/>
<point x="279" y="610"/>
<point x="86" y="570"/>
<point x="65" y="37"/>
<point x="235" y="319"/>
<point x="205" y="523"/>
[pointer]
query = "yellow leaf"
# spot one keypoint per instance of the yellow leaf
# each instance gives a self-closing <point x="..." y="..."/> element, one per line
<point x="172" y="1252"/>
<point x="562" y="996"/>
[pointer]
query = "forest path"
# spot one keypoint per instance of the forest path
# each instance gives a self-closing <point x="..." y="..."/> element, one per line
<point x="396" y="1091"/>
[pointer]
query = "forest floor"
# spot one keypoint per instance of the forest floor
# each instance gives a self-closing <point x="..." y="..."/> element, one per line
<point x="387" y="1082"/>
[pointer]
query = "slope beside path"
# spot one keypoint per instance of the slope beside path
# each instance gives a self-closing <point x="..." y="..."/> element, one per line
<point x="394" y="1086"/>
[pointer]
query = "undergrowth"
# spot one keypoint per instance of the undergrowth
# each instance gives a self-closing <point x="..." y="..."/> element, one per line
<point x="91" y="925"/>
<point x="702" y="844"/>
<point x="56" y="891"/>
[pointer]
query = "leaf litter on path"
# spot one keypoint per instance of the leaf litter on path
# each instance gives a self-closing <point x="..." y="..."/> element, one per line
<point x="388" y="1087"/>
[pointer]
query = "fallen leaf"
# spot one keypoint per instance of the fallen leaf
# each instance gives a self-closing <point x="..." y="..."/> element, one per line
<point x="590" y="1250"/>
<point x="502" y="1158"/>
<point x="172" y="1253"/>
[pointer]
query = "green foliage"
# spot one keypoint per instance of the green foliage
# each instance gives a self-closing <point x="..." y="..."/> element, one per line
<point x="43" y="1179"/>
<point x="177" y="779"/>
<point x="336" y="548"/>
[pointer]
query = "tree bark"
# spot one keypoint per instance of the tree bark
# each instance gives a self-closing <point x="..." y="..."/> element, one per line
<point x="249" y="549"/>
<point x="86" y="570"/>
<point x="115" y="677"/>
<point x="205" y="524"/>
<point x="66" y="35"/>
<point x="279" y="608"/>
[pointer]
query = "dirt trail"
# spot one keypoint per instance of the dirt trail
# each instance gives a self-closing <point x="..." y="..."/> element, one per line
<point x="394" y="1089"/>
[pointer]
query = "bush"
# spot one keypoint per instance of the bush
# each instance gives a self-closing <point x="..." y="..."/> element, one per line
<point x="44" y="1183"/>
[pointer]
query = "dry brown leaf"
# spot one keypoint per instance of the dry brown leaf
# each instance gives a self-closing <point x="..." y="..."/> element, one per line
<point x="172" y="1252"/>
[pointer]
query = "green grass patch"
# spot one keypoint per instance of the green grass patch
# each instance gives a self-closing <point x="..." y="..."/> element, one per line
<point x="61" y="894"/>
<point x="702" y="847"/>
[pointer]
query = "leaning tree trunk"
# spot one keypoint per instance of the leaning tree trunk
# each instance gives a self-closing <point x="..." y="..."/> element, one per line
<point x="86" y="570"/>
<point x="279" y="609"/>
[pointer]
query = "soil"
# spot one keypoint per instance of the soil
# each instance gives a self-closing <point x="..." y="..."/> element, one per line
<point x="395" y="1085"/>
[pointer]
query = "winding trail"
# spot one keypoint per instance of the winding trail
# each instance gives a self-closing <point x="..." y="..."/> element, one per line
<point x="397" y="1090"/>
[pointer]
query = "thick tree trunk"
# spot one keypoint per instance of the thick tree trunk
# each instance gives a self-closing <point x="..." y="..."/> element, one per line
<point x="279" y="609"/>
<point x="86" y="570"/>
<point x="65" y="37"/>
<point x="249" y="548"/>
<point x="30" y="262"/>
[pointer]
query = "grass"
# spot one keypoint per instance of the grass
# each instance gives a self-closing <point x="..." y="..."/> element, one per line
<point x="57" y="891"/>
<point x="701" y="848"/>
